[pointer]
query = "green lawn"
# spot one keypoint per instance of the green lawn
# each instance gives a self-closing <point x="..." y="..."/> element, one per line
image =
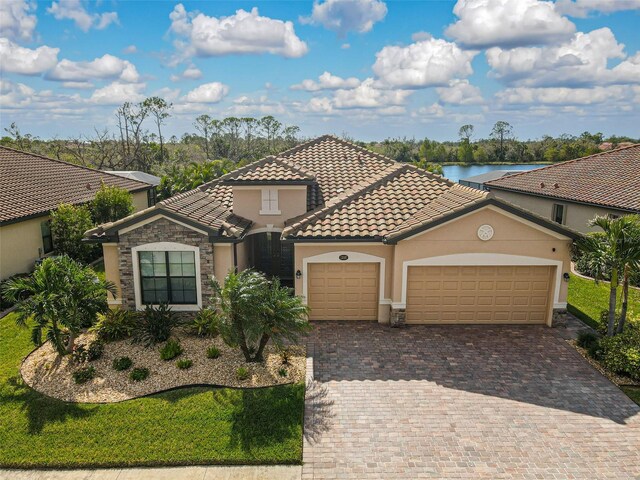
<point x="586" y="300"/>
<point x="188" y="426"/>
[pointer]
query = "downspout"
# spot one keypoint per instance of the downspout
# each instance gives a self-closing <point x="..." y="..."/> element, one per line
<point x="235" y="257"/>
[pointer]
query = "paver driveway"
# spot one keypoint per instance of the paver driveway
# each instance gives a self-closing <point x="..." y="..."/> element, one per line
<point x="462" y="402"/>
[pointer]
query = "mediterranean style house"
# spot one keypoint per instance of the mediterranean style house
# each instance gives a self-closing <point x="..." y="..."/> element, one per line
<point x="573" y="192"/>
<point x="358" y="235"/>
<point x="31" y="186"/>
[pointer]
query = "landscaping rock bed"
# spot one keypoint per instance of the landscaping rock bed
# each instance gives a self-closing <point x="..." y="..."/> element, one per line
<point x="50" y="374"/>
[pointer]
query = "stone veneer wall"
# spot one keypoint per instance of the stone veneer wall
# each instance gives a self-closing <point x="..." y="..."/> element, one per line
<point x="162" y="230"/>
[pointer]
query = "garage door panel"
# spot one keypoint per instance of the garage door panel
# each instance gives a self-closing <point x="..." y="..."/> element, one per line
<point x="479" y="294"/>
<point x="343" y="291"/>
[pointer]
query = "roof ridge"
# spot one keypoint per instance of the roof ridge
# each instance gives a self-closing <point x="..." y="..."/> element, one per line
<point x="573" y="160"/>
<point x="63" y="162"/>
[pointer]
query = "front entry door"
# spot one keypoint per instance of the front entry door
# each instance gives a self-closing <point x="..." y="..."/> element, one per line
<point x="272" y="257"/>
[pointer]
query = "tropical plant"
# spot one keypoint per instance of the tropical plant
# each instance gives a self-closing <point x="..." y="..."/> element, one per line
<point x="84" y="375"/>
<point x="254" y="311"/>
<point x="171" y="349"/>
<point x="139" y="374"/>
<point x="213" y="352"/>
<point x="615" y="249"/>
<point x="111" y="204"/>
<point x="68" y="225"/>
<point x="242" y="373"/>
<point x="205" y="323"/>
<point x="115" y="324"/>
<point x="63" y="297"/>
<point x="155" y="325"/>
<point x="184" y="364"/>
<point x="122" y="363"/>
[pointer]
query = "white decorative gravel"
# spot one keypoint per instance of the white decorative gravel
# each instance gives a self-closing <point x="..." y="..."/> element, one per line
<point x="45" y="371"/>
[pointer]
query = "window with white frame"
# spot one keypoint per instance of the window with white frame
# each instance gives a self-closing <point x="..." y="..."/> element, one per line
<point x="559" y="214"/>
<point x="270" y="202"/>
<point x="168" y="277"/>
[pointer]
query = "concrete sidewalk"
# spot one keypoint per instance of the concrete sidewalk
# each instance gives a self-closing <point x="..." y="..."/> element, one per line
<point x="278" y="472"/>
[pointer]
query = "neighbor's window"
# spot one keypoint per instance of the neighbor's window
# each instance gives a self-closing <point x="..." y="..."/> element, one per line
<point x="559" y="213"/>
<point x="168" y="277"/>
<point x="47" y="238"/>
<point x="270" y="201"/>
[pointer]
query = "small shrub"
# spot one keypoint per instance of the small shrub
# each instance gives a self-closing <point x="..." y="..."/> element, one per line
<point x="139" y="374"/>
<point x="242" y="373"/>
<point x="84" y="375"/>
<point x="95" y="350"/>
<point x="184" y="364"/>
<point x="79" y="354"/>
<point x="282" y="372"/>
<point x="285" y="356"/>
<point x="205" y="323"/>
<point x="170" y="350"/>
<point x="213" y="352"/>
<point x="587" y="339"/>
<point x="621" y="353"/>
<point x="155" y="325"/>
<point x="593" y="350"/>
<point x="122" y="363"/>
<point x="116" y="324"/>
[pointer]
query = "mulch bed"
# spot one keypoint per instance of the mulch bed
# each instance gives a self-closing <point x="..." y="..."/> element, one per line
<point x="45" y="371"/>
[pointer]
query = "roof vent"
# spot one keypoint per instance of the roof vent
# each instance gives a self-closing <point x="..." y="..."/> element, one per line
<point x="88" y="186"/>
<point x="541" y="184"/>
<point x="555" y="185"/>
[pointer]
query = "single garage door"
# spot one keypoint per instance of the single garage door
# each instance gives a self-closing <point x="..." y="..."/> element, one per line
<point x="482" y="294"/>
<point x="343" y="291"/>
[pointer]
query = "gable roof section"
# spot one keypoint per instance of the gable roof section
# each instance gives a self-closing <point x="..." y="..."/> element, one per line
<point x="609" y="179"/>
<point x="32" y="185"/>
<point x="269" y="170"/>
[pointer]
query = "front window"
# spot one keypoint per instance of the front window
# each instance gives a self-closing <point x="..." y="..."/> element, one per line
<point x="270" y="202"/>
<point x="559" y="212"/>
<point x="47" y="238"/>
<point x="168" y="277"/>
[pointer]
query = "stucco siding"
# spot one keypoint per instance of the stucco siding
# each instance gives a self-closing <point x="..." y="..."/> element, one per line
<point x="140" y="201"/>
<point x="247" y="203"/>
<point x="222" y="260"/>
<point x="20" y="246"/>
<point x="577" y="215"/>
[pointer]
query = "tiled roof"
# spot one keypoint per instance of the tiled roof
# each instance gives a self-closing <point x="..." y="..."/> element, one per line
<point x="32" y="184"/>
<point x="610" y="179"/>
<point x="268" y="170"/>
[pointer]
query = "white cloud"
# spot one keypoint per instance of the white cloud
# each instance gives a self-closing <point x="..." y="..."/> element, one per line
<point x="367" y="95"/>
<point x="582" y="8"/>
<point x="74" y="10"/>
<point x="242" y="33"/>
<point x="427" y="63"/>
<point x="77" y="85"/>
<point x="326" y="81"/>
<point x="16" y="20"/>
<point x="508" y="23"/>
<point x="460" y="92"/>
<point x="117" y="93"/>
<point x="26" y="61"/>
<point x="344" y="16"/>
<point x="580" y="62"/>
<point x="562" y="96"/>
<point x="430" y="111"/>
<point x="130" y="49"/>
<point x="345" y="46"/>
<point x="105" y="67"/>
<point x="207" y="93"/>
<point x="420" y="36"/>
<point x="262" y="105"/>
<point x="190" y="73"/>
<point x="14" y="95"/>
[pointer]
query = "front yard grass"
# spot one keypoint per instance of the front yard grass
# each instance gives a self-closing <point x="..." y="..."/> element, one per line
<point x="587" y="300"/>
<point x="186" y="426"/>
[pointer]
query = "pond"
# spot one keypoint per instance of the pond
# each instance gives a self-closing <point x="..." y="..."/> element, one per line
<point x="456" y="172"/>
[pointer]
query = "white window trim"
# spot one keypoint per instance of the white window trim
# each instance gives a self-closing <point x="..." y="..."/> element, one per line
<point x="166" y="247"/>
<point x="275" y="211"/>
<point x="564" y="212"/>
<point x="482" y="259"/>
<point x="354" y="257"/>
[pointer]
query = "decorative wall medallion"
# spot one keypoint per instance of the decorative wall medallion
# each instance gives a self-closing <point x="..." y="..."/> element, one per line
<point x="485" y="232"/>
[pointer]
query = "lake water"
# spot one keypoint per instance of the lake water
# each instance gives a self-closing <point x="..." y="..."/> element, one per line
<point x="456" y="172"/>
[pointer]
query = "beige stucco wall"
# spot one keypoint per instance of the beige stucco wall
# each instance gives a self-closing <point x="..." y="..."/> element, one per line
<point x="20" y="246"/>
<point x="577" y="215"/>
<point x="112" y="271"/>
<point x="385" y="252"/>
<point x="511" y="237"/>
<point x="140" y="201"/>
<point x="222" y="260"/>
<point x="247" y="202"/>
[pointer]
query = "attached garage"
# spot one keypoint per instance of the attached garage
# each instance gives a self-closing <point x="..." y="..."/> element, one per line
<point x="343" y="291"/>
<point x="479" y="294"/>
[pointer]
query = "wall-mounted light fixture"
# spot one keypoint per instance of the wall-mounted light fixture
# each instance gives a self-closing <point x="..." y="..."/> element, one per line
<point x="565" y="276"/>
<point x="298" y="274"/>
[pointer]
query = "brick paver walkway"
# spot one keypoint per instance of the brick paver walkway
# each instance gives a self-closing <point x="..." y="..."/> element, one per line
<point x="462" y="402"/>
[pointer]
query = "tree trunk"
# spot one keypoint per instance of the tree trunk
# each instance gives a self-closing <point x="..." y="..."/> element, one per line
<point x="612" y="302"/>
<point x="71" y="342"/>
<point x="243" y="339"/>
<point x="625" y="300"/>
<point x="263" y="343"/>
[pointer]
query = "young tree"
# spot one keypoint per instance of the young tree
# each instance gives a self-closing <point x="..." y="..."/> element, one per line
<point x="111" y="204"/>
<point x="501" y="132"/>
<point x="61" y="297"/>
<point x="253" y="311"/>
<point x="158" y="108"/>
<point x="68" y="224"/>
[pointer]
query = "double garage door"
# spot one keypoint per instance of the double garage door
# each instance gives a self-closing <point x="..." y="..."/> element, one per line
<point x="447" y="294"/>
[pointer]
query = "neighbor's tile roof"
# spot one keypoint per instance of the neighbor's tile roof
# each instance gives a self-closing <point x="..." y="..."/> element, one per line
<point x="269" y="169"/>
<point x="610" y="179"/>
<point x="32" y="184"/>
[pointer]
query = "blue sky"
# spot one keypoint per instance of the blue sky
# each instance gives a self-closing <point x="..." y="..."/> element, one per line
<point x="367" y="68"/>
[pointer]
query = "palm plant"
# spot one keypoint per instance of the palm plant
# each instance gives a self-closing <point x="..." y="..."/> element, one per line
<point x="62" y="296"/>
<point x="614" y="250"/>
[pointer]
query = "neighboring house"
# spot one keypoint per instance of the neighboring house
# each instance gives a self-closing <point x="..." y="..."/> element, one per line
<point x="359" y="236"/>
<point x="30" y="187"/>
<point x="572" y="193"/>
<point x="141" y="177"/>
<point x="478" y="181"/>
